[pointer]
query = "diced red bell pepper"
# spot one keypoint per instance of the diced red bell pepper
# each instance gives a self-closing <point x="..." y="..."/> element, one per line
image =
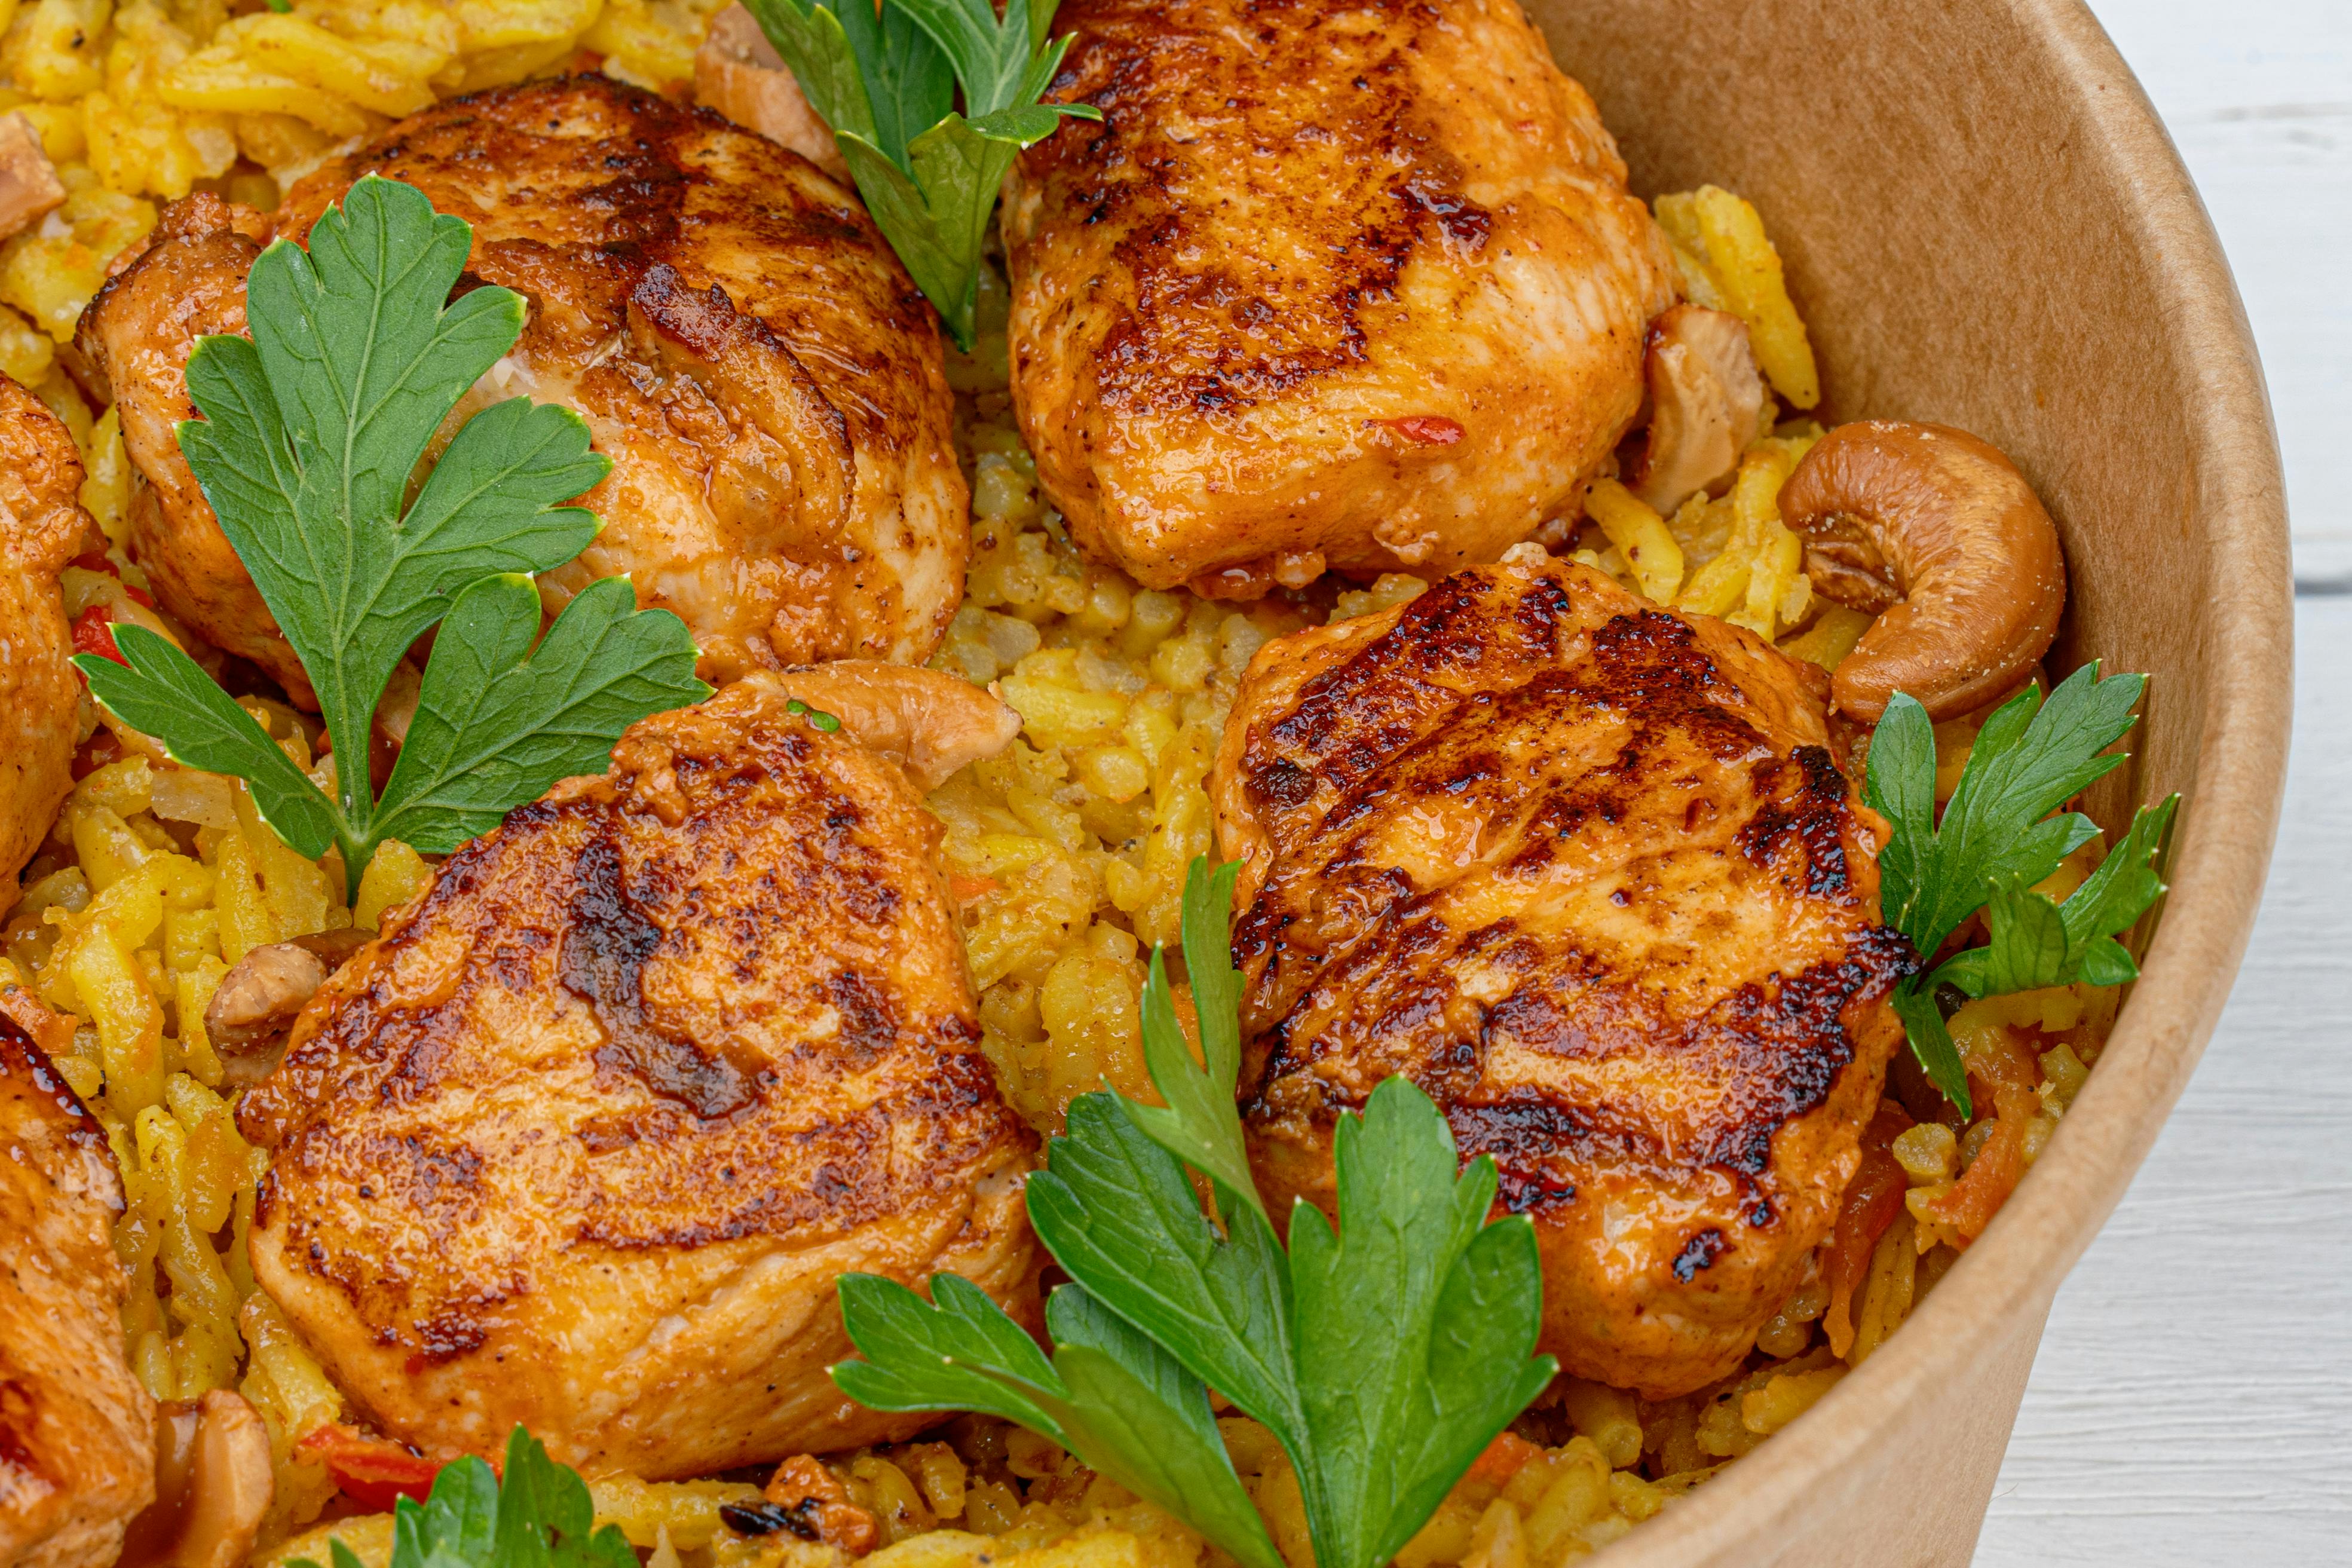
<point x="375" y="1472"/>
<point x="93" y="632"/>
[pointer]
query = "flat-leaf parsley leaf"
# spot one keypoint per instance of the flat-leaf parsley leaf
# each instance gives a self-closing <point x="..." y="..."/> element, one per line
<point x="1383" y="1355"/>
<point x="886" y="84"/>
<point x="538" y="1516"/>
<point x="310" y="435"/>
<point x="2001" y="833"/>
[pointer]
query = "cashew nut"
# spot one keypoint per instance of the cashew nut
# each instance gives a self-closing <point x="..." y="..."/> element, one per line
<point x="929" y="723"/>
<point x="1939" y="534"/>
<point x="1707" y="404"/>
<point x="213" y="1485"/>
<point x="257" y="1000"/>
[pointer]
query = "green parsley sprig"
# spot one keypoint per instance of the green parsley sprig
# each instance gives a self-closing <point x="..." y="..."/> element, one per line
<point x="887" y="83"/>
<point x="1384" y="1356"/>
<point x="310" y="435"/>
<point x="538" y="1516"/>
<point x="1998" y="837"/>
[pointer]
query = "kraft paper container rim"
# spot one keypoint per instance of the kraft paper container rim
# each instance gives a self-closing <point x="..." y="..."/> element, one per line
<point x="1997" y="1295"/>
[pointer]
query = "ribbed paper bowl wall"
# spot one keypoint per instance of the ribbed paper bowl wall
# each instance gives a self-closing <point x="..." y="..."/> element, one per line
<point x="1986" y="226"/>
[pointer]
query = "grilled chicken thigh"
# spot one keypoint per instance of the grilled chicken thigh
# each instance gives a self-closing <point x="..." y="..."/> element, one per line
<point x="1332" y="283"/>
<point x="77" y="1431"/>
<point x="583" y="1140"/>
<point x="1586" y="871"/>
<point x="42" y="527"/>
<point x="742" y="343"/>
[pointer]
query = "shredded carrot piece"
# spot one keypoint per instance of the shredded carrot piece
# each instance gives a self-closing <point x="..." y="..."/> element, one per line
<point x="1994" y="1174"/>
<point x="1873" y="1200"/>
<point x="1504" y="1457"/>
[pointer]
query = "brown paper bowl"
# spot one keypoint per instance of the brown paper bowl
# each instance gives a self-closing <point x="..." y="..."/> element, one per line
<point x="1986" y="226"/>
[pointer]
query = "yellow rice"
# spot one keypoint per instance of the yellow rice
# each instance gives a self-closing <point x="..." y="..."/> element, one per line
<point x="1068" y="854"/>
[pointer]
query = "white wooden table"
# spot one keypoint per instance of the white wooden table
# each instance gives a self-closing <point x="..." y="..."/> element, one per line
<point x="2192" y="1402"/>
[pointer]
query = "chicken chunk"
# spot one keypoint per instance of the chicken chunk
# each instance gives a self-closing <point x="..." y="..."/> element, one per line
<point x="584" y="1138"/>
<point x="1587" y="873"/>
<point x="77" y="1430"/>
<point x="42" y="527"/>
<point x="742" y="343"/>
<point x="1330" y="285"/>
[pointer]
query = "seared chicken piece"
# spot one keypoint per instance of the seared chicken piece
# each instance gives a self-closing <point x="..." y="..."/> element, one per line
<point x="1331" y="284"/>
<point x="77" y="1430"/>
<point x="583" y="1140"/>
<point x="1587" y="873"/>
<point x="741" y="341"/>
<point x="42" y="527"/>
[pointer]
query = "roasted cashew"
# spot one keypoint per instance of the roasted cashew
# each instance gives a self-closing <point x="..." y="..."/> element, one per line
<point x="929" y="723"/>
<point x="213" y="1485"/>
<point x="1939" y="535"/>
<point x="1707" y="403"/>
<point x="257" y="1000"/>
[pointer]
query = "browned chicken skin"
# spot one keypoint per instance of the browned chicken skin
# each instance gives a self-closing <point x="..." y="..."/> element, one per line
<point x="77" y="1431"/>
<point x="742" y="343"/>
<point x="42" y="527"/>
<point x="1334" y="283"/>
<point x="585" y="1138"/>
<point x="1586" y="871"/>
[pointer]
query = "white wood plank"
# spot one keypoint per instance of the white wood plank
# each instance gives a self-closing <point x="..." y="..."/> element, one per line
<point x="2192" y="1401"/>
<point x="2258" y="94"/>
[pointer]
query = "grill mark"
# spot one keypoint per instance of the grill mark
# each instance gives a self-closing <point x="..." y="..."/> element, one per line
<point x="1645" y="667"/>
<point x="869" y="1023"/>
<point x="1816" y="816"/>
<point x="1781" y="1045"/>
<point x="1347" y="957"/>
<point x="1699" y="1252"/>
<point x="22" y="1059"/>
<point x="607" y="942"/>
<point x="868" y="1166"/>
<point x="1208" y="338"/>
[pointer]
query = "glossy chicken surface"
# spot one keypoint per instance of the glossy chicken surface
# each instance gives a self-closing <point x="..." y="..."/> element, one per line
<point x="1587" y="873"/>
<point x="585" y="1138"/>
<point x="740" y="340"/>
<point x="42" y="527"/>
<point x="77" y="1430"/>
<point x="1332" y="284"/>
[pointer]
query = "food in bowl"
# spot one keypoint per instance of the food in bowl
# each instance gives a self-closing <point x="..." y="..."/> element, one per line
<point x="249" y="985"/>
